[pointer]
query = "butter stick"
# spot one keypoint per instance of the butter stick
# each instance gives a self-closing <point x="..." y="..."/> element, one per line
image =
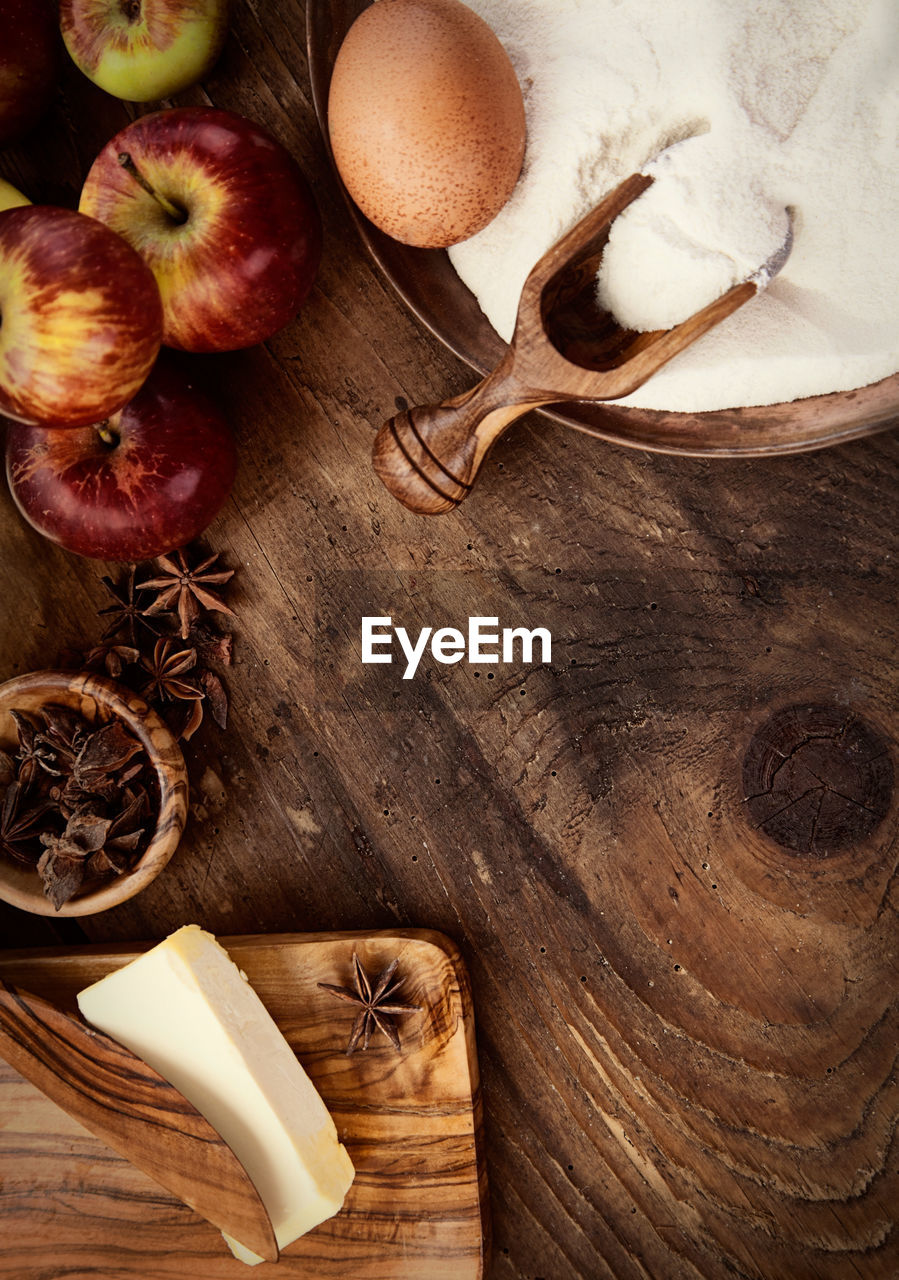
<point x="187" y="1010"/>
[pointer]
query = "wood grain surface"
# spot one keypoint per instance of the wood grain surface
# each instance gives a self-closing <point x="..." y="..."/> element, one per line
<point x="686" y="1019"/>
<point x="120" y="1099"/>
<point x="410" y="1120"/>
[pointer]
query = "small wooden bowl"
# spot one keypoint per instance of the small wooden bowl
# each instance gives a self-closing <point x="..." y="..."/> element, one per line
<point x="98" y="700"/>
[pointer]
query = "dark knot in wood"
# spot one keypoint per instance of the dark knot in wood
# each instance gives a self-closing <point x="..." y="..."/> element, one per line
<point x="817" y="779"/>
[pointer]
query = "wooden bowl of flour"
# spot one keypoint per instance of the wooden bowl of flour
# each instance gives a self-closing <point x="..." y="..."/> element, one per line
<point x="428" y="284"/>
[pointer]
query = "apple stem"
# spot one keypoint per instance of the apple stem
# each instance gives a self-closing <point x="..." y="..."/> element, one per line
<point x="176" y="213"/>
<point x="106" y="433"/>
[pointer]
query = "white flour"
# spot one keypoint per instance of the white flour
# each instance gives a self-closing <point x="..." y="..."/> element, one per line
<point x="778" y="103"/>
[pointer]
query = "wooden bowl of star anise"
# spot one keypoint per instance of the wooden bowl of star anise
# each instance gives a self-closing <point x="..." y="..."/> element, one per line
<point x="93" y="793"/>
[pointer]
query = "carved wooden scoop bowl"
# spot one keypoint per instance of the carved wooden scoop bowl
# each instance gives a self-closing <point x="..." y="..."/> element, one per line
<point x="563" y="349"/>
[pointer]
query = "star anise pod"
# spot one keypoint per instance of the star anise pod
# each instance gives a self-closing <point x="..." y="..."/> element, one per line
<point x="127" y="614"/>
<point x="20" y="826"/>
<point x="61" y="866"/>
<point x="377" y="1006"/>
<point x="106" y="761"/>
<point x="112" y="659"/>
<point x="211" y="645"/>
<point x="64" y="733"/>
<point x="216" y="697"/>
<point x="33" y="755"/>
<point x="123" y="838"/>
<point x="171" y="684"/>
<point x="185" y="590"/>
<point x="70" y="797"/>
<point x="75" y="805"/>
<point x="91" y="845"/>
<point x="168" y="667"/>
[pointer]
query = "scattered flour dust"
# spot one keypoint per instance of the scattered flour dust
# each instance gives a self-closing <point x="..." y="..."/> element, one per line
<point x="773" y="104"/>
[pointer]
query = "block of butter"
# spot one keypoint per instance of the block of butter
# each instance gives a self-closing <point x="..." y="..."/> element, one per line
<point x="187" y="1010"/>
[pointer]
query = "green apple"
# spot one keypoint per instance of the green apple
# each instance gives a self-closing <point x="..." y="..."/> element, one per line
<point x="10" y="196"/>
<point x="144" y="50"/>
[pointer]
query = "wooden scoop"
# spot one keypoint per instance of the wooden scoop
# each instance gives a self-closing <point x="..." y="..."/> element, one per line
<point x="563" y="348"/>
<point x="135" y="1111"/>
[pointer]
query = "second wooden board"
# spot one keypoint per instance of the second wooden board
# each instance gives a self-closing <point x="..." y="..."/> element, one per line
<point x="411" y="1121"/>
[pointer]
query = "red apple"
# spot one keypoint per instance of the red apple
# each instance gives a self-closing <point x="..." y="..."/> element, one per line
<point x="144" y="50"/>
<point x="146" y="481"/>
<point x="29" y="64"/>
<point x="80" y="318"/>
<point x="223" y="216"/>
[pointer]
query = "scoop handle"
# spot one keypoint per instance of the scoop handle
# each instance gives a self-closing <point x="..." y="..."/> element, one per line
<point x="429" y="457"/>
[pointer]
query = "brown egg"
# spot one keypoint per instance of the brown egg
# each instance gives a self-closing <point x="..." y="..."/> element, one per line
<point x="426" y="120"/>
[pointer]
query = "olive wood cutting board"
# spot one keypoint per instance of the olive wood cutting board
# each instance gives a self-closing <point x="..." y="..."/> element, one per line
<point x="411" y="1121"/>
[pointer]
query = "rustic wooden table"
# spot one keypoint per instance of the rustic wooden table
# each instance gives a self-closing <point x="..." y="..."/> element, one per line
<point x="684" y="983"/>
